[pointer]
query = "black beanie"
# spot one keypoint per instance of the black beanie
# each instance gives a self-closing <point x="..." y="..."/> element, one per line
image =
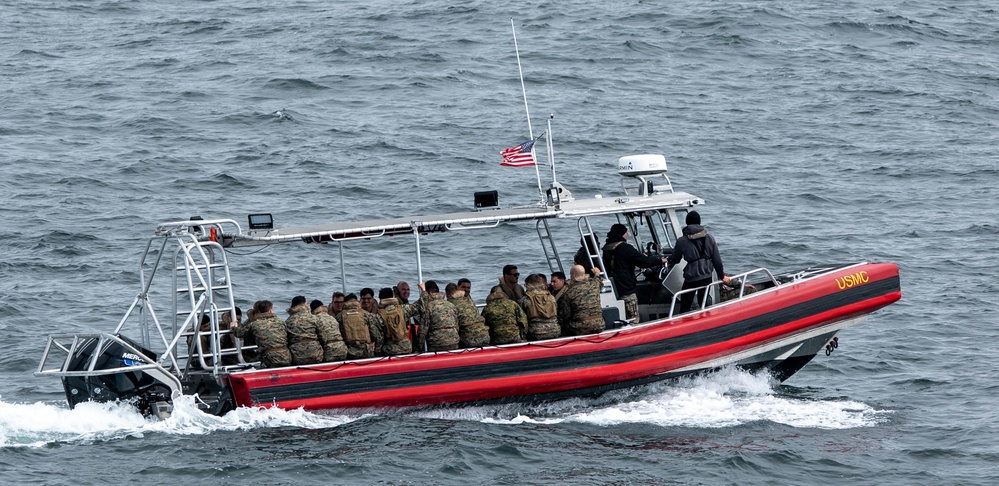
<point x="693" y="218"/>
<point x="618" y="229"/>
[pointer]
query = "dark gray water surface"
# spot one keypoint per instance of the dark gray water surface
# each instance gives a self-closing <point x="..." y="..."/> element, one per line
<point x="822" y="132"/>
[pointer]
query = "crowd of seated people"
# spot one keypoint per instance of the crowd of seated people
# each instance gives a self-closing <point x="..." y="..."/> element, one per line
<point x="353" y="327"/>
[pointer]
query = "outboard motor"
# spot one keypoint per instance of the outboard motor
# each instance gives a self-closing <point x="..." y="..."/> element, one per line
<point x="149" y="395"/>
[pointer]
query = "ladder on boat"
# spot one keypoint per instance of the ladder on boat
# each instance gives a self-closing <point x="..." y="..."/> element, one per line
<point x="202" y="289"/>
<point x="593" y="250"/>
<point x="548" y="245"/>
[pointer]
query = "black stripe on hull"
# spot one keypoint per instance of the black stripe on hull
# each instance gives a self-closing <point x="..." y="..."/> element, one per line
<point x="780" y="370"/>
<point x="579" y="361"/>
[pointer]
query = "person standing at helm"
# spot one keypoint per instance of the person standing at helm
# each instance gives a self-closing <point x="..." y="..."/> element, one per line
<point x="700" y="251"/>
<point x="622" y="259"/>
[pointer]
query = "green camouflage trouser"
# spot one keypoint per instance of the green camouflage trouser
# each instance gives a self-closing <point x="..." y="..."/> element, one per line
<point x="473" y="336"/>
<point x="630" y="306"/>
<point x="543" y="329"/>
<point x="306" y="352"/>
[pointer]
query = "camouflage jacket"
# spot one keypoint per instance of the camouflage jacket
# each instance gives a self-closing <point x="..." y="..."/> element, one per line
<point x="301" y="325"/>
<point x="438" y="323"/>
<point x="513" y="293"/>
<point x="472" y="329"/>
<point x="546" y="305"/>
<point x="271" y="336"/>
<point x="538" y="303"/>
<point x="328" y="330"/>
<point x="558" y="295"/>
<point x="579" y="310"/>
<point x="506" y="320"/>
<point x="393" y="317"/>
<point x="361" y="348"/>
<point x="303" y="338"/>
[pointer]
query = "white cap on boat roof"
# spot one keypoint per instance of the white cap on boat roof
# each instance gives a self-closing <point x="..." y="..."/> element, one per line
<point x="644" y="164"/>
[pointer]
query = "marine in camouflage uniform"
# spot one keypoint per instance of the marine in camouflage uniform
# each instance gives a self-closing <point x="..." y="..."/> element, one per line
<point x="303" y="338"/>
<point x="579" y="310"/>
<point x="393" y="317"/>
<point x="731" y="290"/>
<point x="328" y="330"/>
<point x="270" y="333"/>
<point x="438" y="320"/>
<point x="472" y="329"/>
<point x="377" y="330"/>
<point x="355" y="327"/>
<point x="537" y="302"/>
<point x="506" y="320"/>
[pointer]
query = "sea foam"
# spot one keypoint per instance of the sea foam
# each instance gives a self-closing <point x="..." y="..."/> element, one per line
<point x="38" y="424"/>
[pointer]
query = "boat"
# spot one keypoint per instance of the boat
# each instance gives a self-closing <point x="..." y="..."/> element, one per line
<point x="769" y="322"/>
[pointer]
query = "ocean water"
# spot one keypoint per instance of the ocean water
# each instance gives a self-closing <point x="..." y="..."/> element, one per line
<point x="820" y="132"/>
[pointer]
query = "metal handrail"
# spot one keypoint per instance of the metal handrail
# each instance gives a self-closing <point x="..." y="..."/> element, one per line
<point x="704" y="300"/>
<point x="463" y="226"/>
<point x="364" y="236"/>
<point x="103" y="339"/>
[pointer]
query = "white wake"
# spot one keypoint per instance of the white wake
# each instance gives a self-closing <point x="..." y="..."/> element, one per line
<point x="38" y="424"/>
<point x="724" y="399"/>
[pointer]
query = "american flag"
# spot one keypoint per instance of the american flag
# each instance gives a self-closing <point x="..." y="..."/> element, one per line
<point x="519" y="156"/>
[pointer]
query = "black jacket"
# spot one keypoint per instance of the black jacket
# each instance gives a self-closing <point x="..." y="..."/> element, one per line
<point x="701" y="252"/>
<point x="626" y="258"/>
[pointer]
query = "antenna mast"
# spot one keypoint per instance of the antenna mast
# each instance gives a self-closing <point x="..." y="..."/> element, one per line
<point x="527" y="109"/>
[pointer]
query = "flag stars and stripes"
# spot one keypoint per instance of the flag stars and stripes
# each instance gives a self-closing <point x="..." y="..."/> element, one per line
<point x="520" y="156"/>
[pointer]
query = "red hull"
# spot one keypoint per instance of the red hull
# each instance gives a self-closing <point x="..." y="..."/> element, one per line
<point x="738" y="330"/>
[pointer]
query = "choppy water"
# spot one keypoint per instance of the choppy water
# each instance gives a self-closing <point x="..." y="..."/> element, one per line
<point x="826" y="132"/>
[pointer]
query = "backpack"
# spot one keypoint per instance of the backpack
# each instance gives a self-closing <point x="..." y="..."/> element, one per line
<point x="395" y="323"/>
<point x="542" y="305"/>
<point x="355" y="330"/>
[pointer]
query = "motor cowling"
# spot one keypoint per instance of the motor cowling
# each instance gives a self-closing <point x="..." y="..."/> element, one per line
<point x="124" y="385"/>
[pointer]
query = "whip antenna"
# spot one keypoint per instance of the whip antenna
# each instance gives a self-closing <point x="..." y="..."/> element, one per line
<point x="527" y="110"/>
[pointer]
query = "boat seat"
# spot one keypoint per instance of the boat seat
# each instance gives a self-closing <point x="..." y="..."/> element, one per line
<point x="612" y="318"/>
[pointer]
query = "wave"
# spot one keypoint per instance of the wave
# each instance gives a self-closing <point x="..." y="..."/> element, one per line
<point x="40" y="424"/>
<point x="729" y="398"/>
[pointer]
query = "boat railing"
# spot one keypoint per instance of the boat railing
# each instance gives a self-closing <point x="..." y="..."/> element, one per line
<point x="741" y="278"/>
<point x="469" y="226"/>
<point x="209" y="358"/>
<point x="364" y="235"/>
<point x="199" y="226"/>
<point x="65" y="347"/>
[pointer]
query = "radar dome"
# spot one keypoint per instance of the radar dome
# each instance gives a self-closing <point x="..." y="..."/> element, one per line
<point x="645" y="164"/>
